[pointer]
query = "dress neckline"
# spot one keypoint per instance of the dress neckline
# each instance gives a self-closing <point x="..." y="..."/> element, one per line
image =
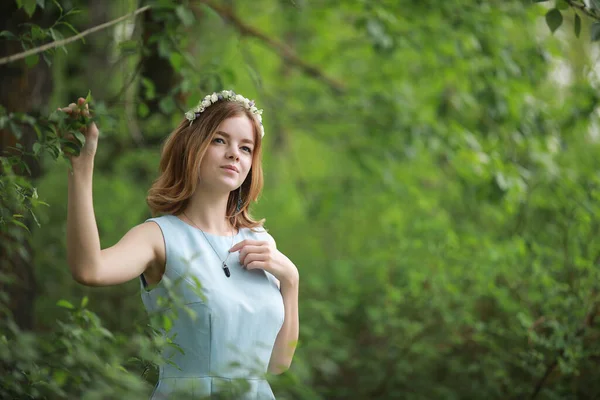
<point x="212" y="235"/>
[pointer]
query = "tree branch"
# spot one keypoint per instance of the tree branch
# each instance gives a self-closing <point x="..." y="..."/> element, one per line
<point x="283" y="50"/>
<point x="51" y="45"/>
<point x="587" y="11"/>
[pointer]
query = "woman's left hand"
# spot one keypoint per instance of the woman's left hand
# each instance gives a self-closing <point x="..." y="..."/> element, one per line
<point x="264" y="255"/>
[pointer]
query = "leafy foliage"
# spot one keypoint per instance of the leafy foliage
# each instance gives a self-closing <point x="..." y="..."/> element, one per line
<point x="431" y="169"/>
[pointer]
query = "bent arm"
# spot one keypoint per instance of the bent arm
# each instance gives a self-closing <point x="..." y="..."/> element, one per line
<point x="287" y="338"/>
<point x="88" y="263"/>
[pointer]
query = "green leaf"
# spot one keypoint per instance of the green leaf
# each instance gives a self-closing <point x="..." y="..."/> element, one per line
<point x="80" y="137"/>
<point x="595" y="31"/>
<point x="167" y="323"/>
<point x="70" y="148"/>
<point x="577" y="25"/>
<point x="56" y="3"/>
<point x="554" y="19"/>
<point x="150" y="90"/>
<point x="88" y="98"/>
<point x="84" y="301"/>
<point x="37" y="33"/>
<point x="71" y="27"/>
<point x="8" y="34"/>
<point x="32" y="60"/>
<point x="65" y="304"/>
<point x="176" y="60"/>
<point x="37" y="222"/>
<point x="185" y="15"/>
<point x="36" y="148"/>
<point x="29" y="7"/>
<point x="56" y="35"/>
<point x="41" y="3"/>
<point x="129" y="46"/>
<point x="59" y="377"/>
<point x="143" y="110"/>
<point x="562" y="5"/>
<point x="46" y="59"/>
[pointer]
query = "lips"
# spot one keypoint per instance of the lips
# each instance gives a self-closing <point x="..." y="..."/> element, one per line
<point x="231" y="167"/>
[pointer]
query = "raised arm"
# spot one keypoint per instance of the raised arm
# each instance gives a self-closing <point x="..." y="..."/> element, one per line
<point x="88" y="263"/>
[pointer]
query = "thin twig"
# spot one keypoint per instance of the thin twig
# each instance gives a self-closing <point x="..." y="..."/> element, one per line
<point x="584" y="9"/>
<point x="51" y="45"/>
<point x="283" y="50"/>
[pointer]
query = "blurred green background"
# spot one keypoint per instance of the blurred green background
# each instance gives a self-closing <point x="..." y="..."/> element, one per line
<point x="431" y="167"/>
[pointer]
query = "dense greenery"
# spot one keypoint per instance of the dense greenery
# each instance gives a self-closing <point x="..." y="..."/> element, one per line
<point x="431" y="167"/>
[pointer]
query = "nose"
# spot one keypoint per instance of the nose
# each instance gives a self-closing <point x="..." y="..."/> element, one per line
<point x="233" y="153"/>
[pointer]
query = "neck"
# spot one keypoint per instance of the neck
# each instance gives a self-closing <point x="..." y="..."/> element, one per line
<point x="206" y="210"/>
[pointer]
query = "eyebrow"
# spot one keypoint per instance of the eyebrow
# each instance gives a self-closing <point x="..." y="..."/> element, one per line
<point x="228" y="136"/>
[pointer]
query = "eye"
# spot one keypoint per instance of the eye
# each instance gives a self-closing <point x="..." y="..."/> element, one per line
<point x="219" y="139"/>
<point x="247" y="149"/>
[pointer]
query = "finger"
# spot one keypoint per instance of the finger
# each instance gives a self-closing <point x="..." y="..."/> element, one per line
<point x="249" y="258"/>
<point x="74" y="111"/>
<point x="249" y="249"/>
<point x="255" y="248"/>
<point x="256" y="265"/>
<point x="238" y="246"/>
<point x="243" y="243"/>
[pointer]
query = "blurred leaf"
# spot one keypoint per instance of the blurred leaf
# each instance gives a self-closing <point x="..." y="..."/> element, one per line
<point x="65" y="304"/>
<point x="29" y="6"/>
<point x="562" y="5"/>
<point x="167" y="105"/>
<point x="554" y="19"/>
<point x="8" y="34"/>
<point x="32" y="60"/>
<point x="185" y="15"/>
<point x="595" y="31"/>
<point x="176" y="60"/>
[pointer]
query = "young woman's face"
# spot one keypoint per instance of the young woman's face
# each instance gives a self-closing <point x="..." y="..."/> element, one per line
<point x="232" y="146"/>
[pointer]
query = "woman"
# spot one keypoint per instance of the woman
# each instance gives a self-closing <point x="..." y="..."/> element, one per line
<point x="247" y="314"/>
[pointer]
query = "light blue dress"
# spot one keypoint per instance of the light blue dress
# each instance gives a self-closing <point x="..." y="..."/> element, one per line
<point x="238" y="318"/>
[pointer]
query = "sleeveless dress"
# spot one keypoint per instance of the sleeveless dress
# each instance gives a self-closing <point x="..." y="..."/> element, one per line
<point x="237" y="318"/>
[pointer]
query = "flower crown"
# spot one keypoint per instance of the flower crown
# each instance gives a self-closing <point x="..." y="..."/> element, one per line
<point x="228" y="95"/>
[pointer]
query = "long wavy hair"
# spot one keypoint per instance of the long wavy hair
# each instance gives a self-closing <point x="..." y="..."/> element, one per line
<point x="182" y="154"/>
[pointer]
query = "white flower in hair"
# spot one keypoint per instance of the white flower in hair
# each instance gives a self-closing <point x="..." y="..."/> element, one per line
<point x="225" y="95"/>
